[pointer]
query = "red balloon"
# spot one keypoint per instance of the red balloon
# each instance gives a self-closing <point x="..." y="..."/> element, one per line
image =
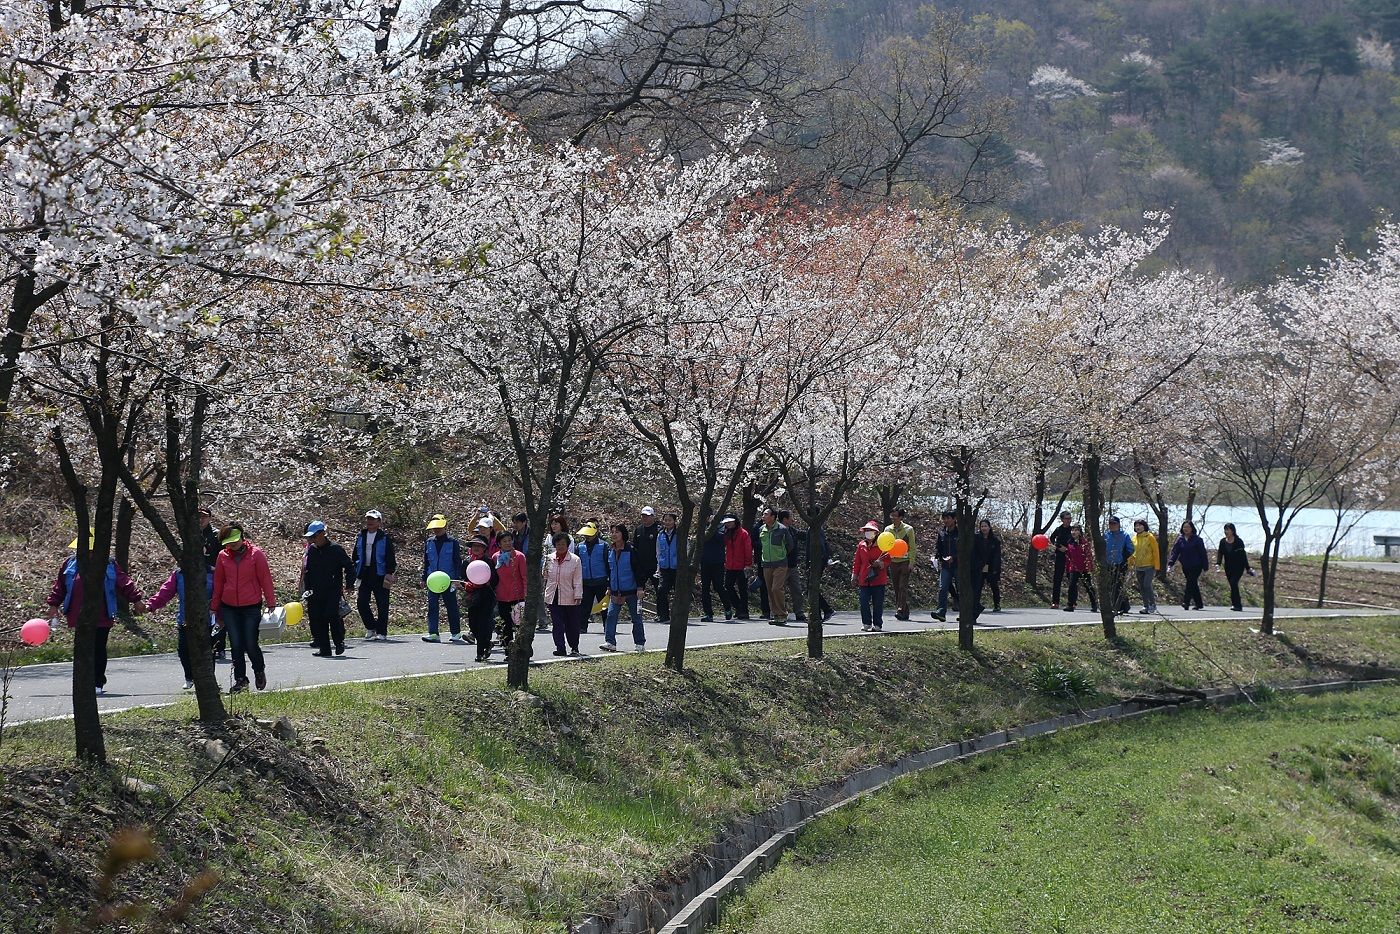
<point x="1040" y="542"/>
<point x="35" y="632"/>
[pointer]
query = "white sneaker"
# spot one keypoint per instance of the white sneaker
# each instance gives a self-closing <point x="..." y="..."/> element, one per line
<point x="370" y="635"/>
<point x="189" y="685"/>
<point x="641" y="647"/>
<point x="605" y="647"/>
<point x="99" y="692"/>
<point x="458" y="640"/>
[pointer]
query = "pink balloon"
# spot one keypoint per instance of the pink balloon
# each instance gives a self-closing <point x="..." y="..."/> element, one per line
<point x="479" y="572"/>
<point x="35" y="632"/>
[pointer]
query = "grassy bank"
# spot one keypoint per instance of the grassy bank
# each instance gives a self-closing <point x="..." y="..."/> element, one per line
<point x="1282" y="819"/>
<point x="452" y="803"/>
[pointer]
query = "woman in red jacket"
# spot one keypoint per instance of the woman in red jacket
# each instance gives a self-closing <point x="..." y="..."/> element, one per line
<point x="242" y="582"/>
<point x="738" y="555"/>
<point x="1079" y="561"/>
<point x="510" y="566"/>
<point x="870" y="573"/>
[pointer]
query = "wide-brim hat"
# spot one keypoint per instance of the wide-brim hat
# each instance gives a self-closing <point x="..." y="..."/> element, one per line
<point x="871" y="526"/>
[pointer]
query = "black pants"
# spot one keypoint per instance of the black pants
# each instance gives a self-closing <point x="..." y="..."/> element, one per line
<point x="481" y="619"/>
<point x="1118" y="575"/>
<point x="1234" y="579"/>
<point x="327" y="625"/>
<point x="1074" y="578"/>
<point x="372" y="587"/>
<point x="663" y="594"/>
<point x="762" y="594"/>
<point x="505" y="610"/>
<point x="1193" y="587"/>
<point x="99" y="656"/>
<point x="711" y="583"/>
<point x="182" y="649"/>
<point x="736" y="593"/>
<point x="592" y="593"/>
<point x="1059" y="580"/>
<point x="993" y="582"/>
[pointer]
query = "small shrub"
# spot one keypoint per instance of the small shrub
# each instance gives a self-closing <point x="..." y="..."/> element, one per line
<point x="1058" y="681"/>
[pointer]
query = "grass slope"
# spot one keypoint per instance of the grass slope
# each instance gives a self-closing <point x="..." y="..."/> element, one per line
<point x="451" y="803"/>
<point x="1283" y="819"/>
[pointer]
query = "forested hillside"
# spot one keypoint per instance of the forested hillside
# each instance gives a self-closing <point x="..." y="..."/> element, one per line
<point x="1269" y="130"/>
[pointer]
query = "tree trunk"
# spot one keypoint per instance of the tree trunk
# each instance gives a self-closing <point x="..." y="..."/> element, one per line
<point x="522" y="646"/>
<point x="816" y="567"/>
<point x="1093" y="518"/>
<point x="121" y="543"/>
<point x="1268" y="562"/>
<point x="967" y="600"/>
<point x="25" y="299"/>
<point x="889" y="498"/>
<point x="1033" y="553"/>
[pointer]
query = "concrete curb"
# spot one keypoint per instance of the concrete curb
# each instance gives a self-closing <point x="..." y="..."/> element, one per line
<point x="687" y="899"/>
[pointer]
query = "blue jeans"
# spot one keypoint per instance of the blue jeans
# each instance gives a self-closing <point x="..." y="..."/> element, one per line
<point x="639" y="633"/>
<point x="454" y="614"/>
<point x="947" y="581"/>
<point x="242" y="625"/>
<point x="872" y="605"/>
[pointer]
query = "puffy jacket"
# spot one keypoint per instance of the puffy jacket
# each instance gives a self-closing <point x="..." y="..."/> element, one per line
<point x="868" y="554"/>
<point x="442" y="554"/>
<point x="1118" y="546"/>
<point x="1079" y="556"/>
<point x="594" y="558"/>
<point x="621" y="577"/>
<point x="67" y="592"/>
<point x="385" y="561"/>
<point x="667" y="553"/>
<point x="738" y="550"/>
<point x="241" y="580"/>
<point x="1146" y="554"/>
<point x="564" y="579"/>
<point x="774" y="545"/>
<point x="510" y="565"/>
<point x="175" y="586"/>
<point x="1190" y="554"/>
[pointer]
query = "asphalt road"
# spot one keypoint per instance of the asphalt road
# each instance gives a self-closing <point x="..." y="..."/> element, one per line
<point x="44" y="691"/>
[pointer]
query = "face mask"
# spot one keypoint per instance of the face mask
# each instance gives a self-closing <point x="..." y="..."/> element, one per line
<point x="870" y="536"/>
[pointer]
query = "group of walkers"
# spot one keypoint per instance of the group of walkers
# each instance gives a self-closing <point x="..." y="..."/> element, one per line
<point x="586" y="577"/>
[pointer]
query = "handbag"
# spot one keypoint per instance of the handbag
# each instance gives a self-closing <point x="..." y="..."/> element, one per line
<point x="344" y="608"/>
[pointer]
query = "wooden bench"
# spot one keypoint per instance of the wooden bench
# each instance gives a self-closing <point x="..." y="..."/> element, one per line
<point x="1387" y="542"/>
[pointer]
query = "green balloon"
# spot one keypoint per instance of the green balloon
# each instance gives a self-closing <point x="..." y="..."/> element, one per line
<point x="439" y="582"/>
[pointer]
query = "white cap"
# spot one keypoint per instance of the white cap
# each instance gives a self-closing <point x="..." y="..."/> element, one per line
<point x="648" y="511"/>
<point x="374" y="514"/>
<point x="485" y="524"/>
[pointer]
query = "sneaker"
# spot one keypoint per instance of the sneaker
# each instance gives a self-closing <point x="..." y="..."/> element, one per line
<point x="221" y="656"/>
<point x="321" y="653"/>
<point x="941" y="617"/>
<point x="802" y="619"/>
<point x="607" y="647"/>
<point x="864" y="627"/>
<point x="560" y="653"/>
<point x="239" y="686"/>
<point x="457" y="639"/>
<point x="340" y="650"/>
<point x="877" y="628"/>
<point x="1070" y="609"/>
<point x="1054" y="606"/>
<point x="189" y="685"/>
<point x="707" y="619"/>
<point x="778" y="622"/>
<point x="432" y="637"/>
<point x="261" y="677"/>
<point x="728" y="616"/>
<point x="1144" y="611"/>
<point x="996" y="609"/>
<point x="640" y="647"/>
<point x="99" y="692"/>
<point x="828" y="614"/>
<point x="575" y="653"/>
<point x="468" y="638"/>
<point x="371" y="635"/>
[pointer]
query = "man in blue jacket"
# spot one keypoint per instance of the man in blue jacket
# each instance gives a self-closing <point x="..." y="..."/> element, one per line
<point x="1118" y="548"/>
<point x="622" y="587"/>
<point x="442" y="552"/>
<point x="375" y="566"/>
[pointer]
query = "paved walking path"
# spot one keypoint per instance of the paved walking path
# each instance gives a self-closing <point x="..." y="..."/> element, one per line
<point x="44" y="691"/>
<point x="1392" y="567"/>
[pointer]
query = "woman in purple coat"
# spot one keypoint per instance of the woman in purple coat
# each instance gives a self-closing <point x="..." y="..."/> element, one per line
<point x="1190" y="551"/>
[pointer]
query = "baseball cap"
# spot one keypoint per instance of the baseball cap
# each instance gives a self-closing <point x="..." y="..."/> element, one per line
<point x="313" y="528"/>
<point x="648" y="511"/>
<point x="485" y="523"/>
<point x="374" y="514"/>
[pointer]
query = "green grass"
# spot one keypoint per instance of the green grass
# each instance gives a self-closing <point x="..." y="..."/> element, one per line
<point x="1282" y="819"/>
<point x="454" y="803"/>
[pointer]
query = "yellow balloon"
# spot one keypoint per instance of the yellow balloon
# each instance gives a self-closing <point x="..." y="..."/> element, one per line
<point x="885" y="541"/>
<point x="294" y="613"/>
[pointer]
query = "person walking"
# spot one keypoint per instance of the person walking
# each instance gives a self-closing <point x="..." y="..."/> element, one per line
<point x="623" y="589"/>
<point x="520" y="532"/>
<point x="480" y="598"/>
<point x="870" y="574"/>
<point x="776" y="542"/>
<point x="644" y="551"/>
<point x="738" y="554"/>
<point x="242" y="585"/>
<point x="1147" y="558"/>
<point x="323" y="566"/>
<point x="1189" y="550"/>
<point x="759" y="584"/>
<point x="376" y="564"/>
<point x="901" y="568"/>
<point x="510" y="586"/>
<point x="1059" y="540"/>
<point x="1118" y="548"/>
<point x="218" y="637"/>
<point x="173" y="587"/>
<point x="1079" y="563"/>
<point x="667" y="563"/>
<point x="796" y="563"/>
<point x="945" y="558"/>
<point x="1232" y="556"/>
<point x="66" y="596"/>
<point x="986" y="553"/>
<point x="442" y="552"/>
<point x="563" y="594"/>
<point x="593" y="554"/>
<point x="712" y="576"/>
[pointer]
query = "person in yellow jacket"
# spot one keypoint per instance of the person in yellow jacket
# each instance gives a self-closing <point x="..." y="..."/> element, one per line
<point x="1147" y="558"/>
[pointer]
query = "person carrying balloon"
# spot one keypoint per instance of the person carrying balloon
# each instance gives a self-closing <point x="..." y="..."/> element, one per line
<point x="870" y="574"/>
<point x="901" y="565"/>
<point x="175" y="586"/>
<point x="67" y="596"/>
<point x="442" y="561"/>
<point x="327" y="573"/>
<point x="242" y="582"/>
<point x="479" y="585"/>
<point x="510" y="588"/>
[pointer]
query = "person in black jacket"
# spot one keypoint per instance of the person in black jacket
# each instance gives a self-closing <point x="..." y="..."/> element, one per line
<point x="376" y="565"/>
<point x="712" y="574"/>
<point x="327" y="572"/>
<point x="210" y="531"/>
<point x="1059" y="540"/>
<point x="1235" y="560"/>
<point x="986" y="553"/>
<point x="480" y="598"/>
<point x="945" y="558"/>
<point x="644" y="550"/>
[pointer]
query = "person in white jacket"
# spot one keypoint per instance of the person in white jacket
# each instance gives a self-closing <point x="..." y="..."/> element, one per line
<point x="563" y="594"/>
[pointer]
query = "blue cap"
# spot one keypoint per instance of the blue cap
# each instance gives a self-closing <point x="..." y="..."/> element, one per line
<point x="313" y="528"/>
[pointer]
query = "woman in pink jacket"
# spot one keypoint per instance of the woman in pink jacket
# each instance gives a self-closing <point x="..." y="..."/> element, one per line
<point x="563" y="592"/>
<point x="242" y="582"/>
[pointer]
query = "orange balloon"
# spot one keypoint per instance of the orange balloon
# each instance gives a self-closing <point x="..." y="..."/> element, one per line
<point x="899" y="549"/>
